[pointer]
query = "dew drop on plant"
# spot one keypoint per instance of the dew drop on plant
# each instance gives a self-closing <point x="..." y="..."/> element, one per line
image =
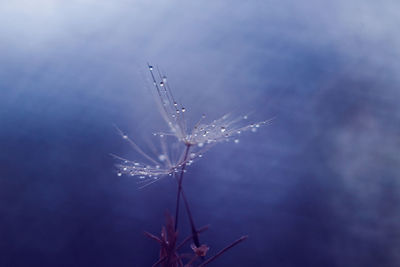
<point x="125" y="136"/>
<point x="161" y="135"/>
<point x="257" y="125"/>
<point x="119" y="174"/>
<point x="164" y="79"/>
<point x="162" y="157"/>
<point x="200" y="155"/>
<point x="245" y="117"/>
<point x="192" y="155"/>
<point x="175" y="104"/>
<point x="141" y="177"/>
<point x="150" y="67"/>
<point x="200" y="144"/>
<point x="254" y="130"/>
<point x="183" y="109"/>
<point x="236" y="141"/>
<point x="223" y="129"/>
<point x="125" y="168"/>
<point x="203" y="116"/>
<point x="157" y="166"/>
<point x="161" y="84"/>
<point x="136" y="164"/>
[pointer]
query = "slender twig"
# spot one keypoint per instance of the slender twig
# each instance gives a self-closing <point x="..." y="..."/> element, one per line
<point x="159" y="261"/>
<point x="202" y="229"/>
<point x="180" y="186"/>
<point x="195" y="235"/>
<point x="223" y="251"/>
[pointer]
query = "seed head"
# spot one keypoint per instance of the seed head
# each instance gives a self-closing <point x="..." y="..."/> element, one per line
<point x="201" y="137"/>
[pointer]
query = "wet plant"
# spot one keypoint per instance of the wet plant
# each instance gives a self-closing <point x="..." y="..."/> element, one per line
<point x="180" y="146"/>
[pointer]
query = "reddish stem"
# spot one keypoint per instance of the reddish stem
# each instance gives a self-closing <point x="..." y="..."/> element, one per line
<point x="185" y="201"/>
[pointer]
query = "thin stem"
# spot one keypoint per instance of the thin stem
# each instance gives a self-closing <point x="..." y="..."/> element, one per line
<point x="195" y="234"/>
<point x="180" y="186"/>
<point x="222" y="251"/>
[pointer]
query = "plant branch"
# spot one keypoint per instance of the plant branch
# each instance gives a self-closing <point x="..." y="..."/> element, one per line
<point x="180" y="186"/>
<point x="223" y="251"/>
<point x="185" y="201"/>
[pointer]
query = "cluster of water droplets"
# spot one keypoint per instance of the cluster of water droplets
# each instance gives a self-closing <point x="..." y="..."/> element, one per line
<point x="200" y="138"/>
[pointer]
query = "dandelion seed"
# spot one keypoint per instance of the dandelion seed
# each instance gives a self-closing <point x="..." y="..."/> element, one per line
<point x="199" y="138"/>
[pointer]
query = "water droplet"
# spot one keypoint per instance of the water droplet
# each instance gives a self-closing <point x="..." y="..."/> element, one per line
<point x="245" y="117"/>
<point x="125" y="136"/>
<point x="157" y="166"/>
<point x="126" y="161"/>
<point x="125" y="168"/>
<point x="169" y="174"/>
<point x="150" y="67"/>
<point x="200" y="144"/>
<point x="175" y="104"/>
<point x="236" y="141"/>
<point x="177" y="111"/>
<point x="254" y="130"/>
<point x="154" y="134"/>
<point x="136" y="164"/>
<point x="164" y="79"/>
<point x="239" y="132"/>
<point x="257" y="125"/>
<point x="183" y="109"/>
<point x="141" y="177"/>
<point x="223" y="129"/>
<point x="184" y="171"/>
<point x="119" y="174"/>
<point x="192" y="155"/>
<point x="203" y="116"/>
<point x="200" y="155"/>
<point x="161" y="84"/>
<point x="162" y="157"/>
<point x="161" y="135"/>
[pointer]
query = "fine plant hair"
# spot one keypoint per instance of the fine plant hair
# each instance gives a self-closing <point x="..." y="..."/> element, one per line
<point x="180" y="146"/>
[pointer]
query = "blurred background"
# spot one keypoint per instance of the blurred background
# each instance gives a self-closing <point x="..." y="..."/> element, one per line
<point x="318" y="187"/>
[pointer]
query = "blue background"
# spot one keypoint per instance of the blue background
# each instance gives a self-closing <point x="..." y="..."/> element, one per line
<point x="318" y="187"/>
